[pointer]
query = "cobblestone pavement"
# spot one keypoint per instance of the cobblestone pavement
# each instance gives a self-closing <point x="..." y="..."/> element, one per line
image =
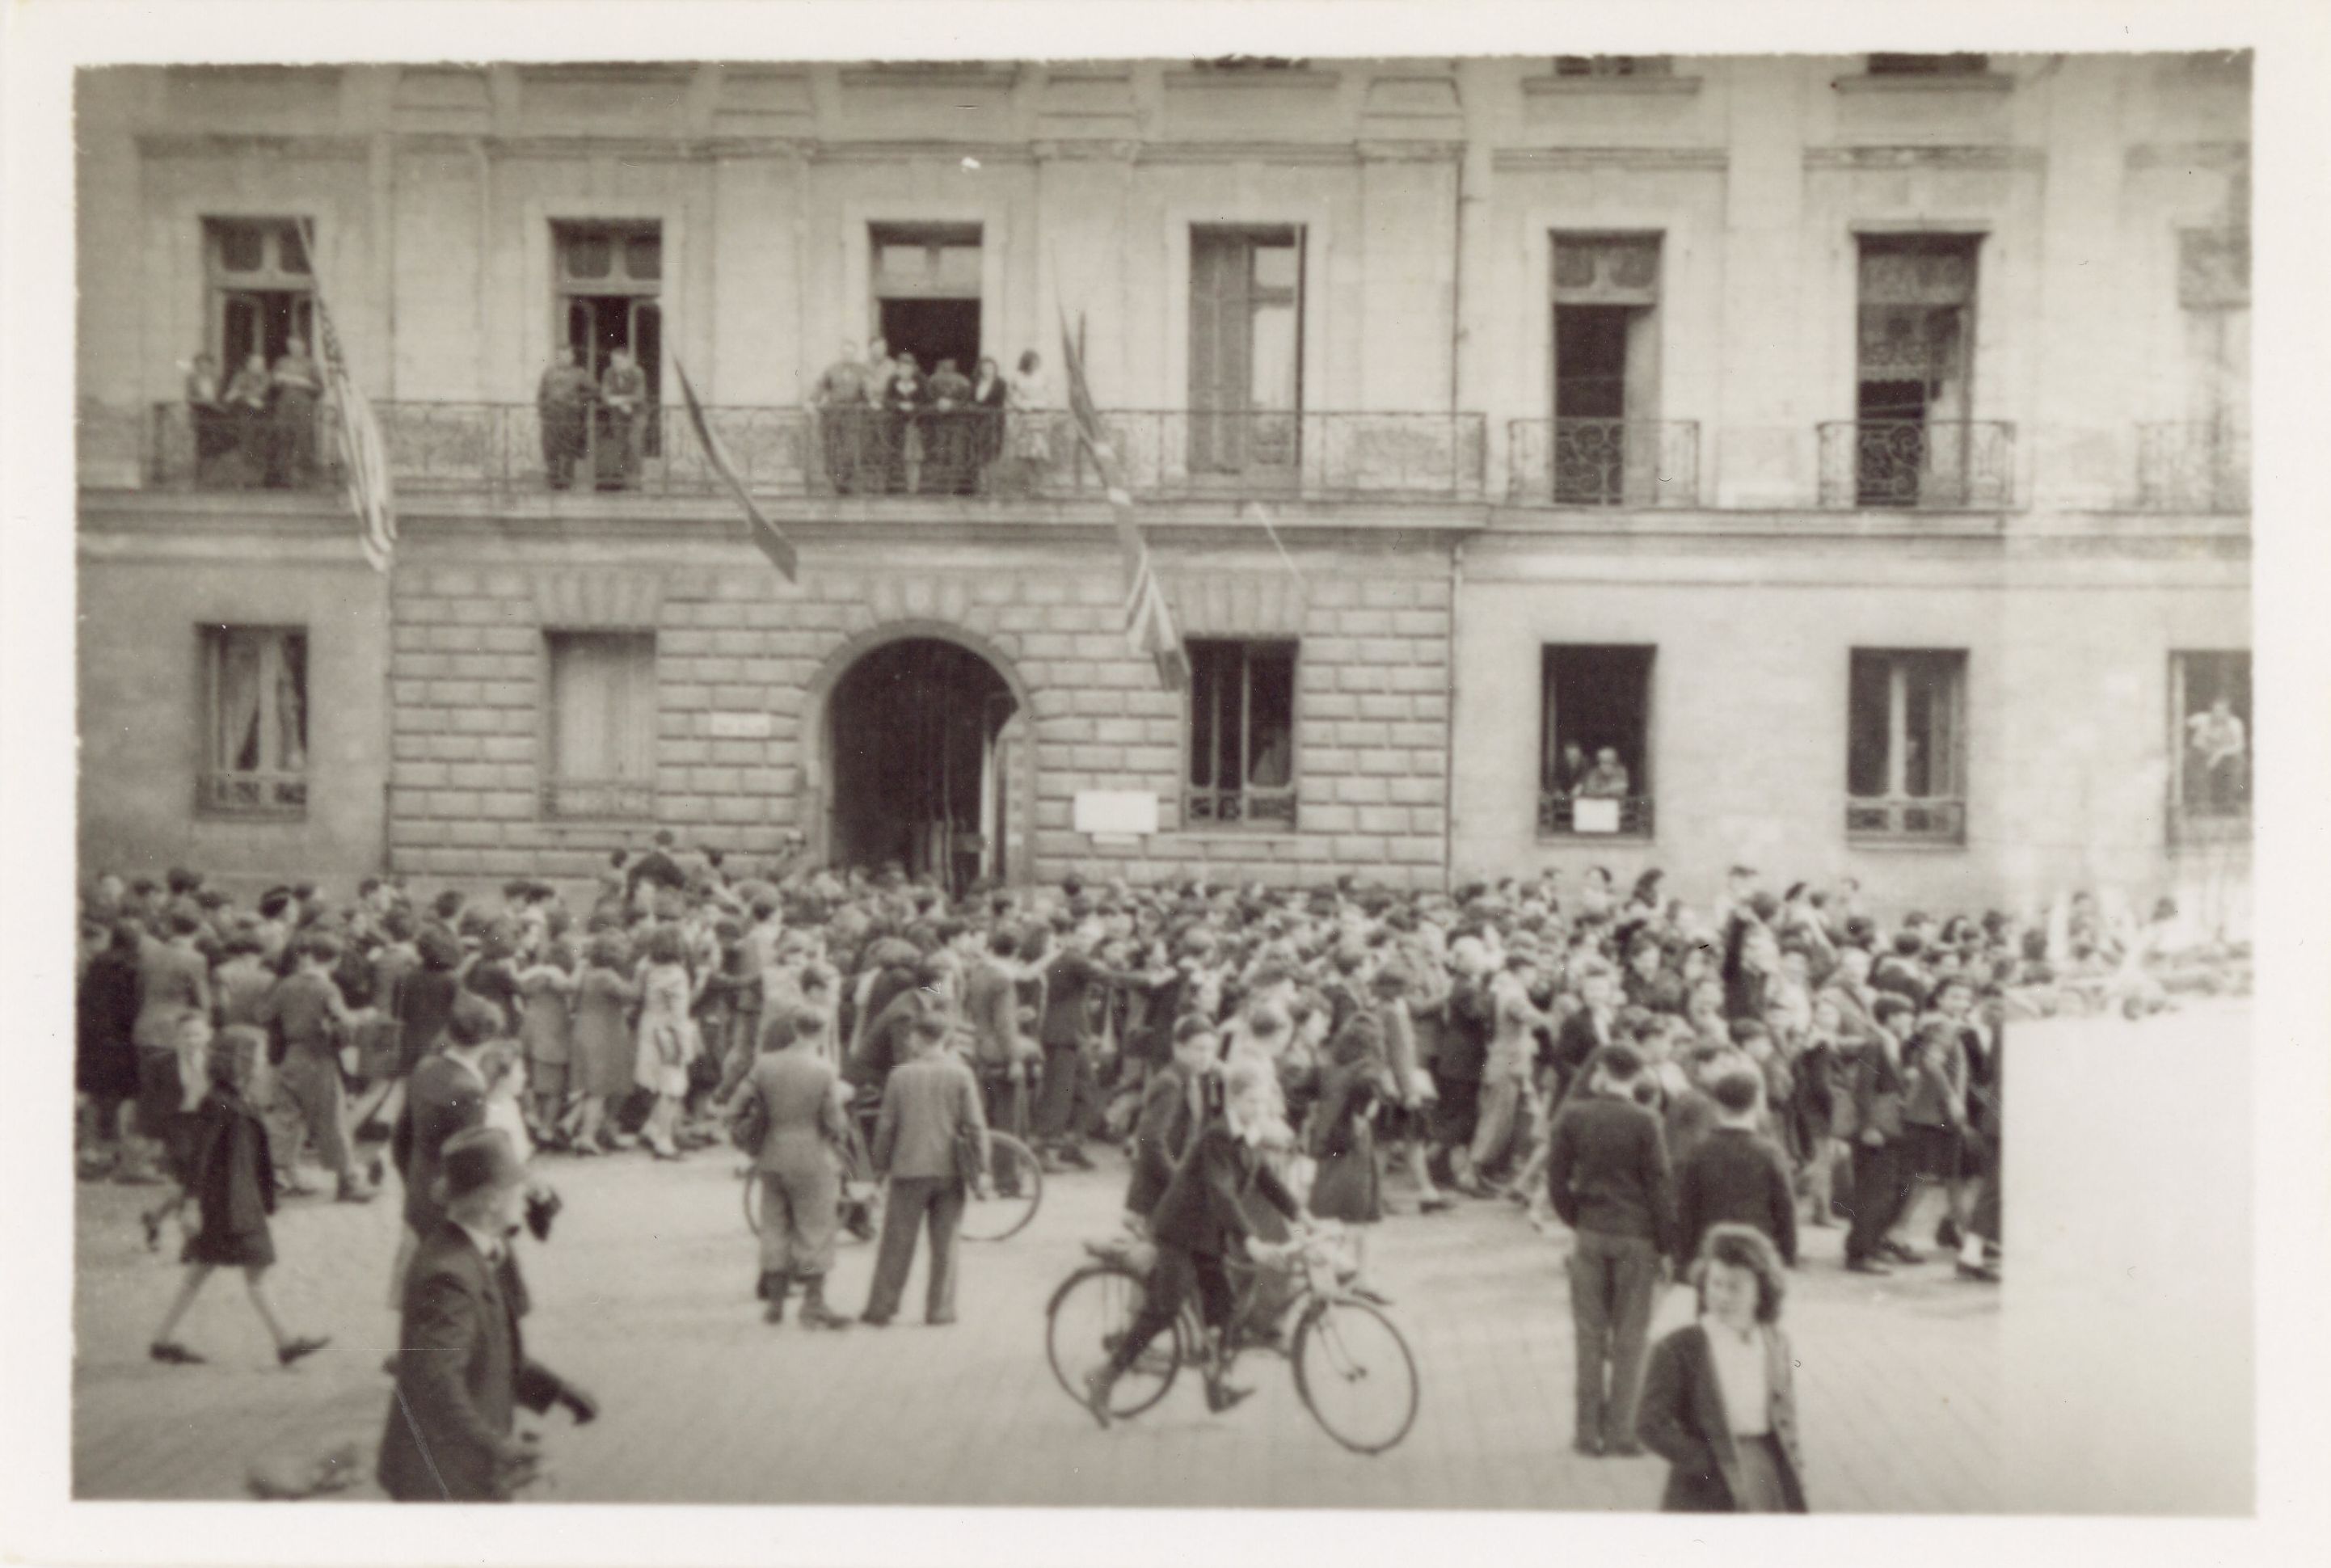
<point x="643" y="1295"/>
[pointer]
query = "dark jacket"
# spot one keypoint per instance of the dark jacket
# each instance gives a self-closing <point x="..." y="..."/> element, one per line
<point x="1734" y="1176"/>
<point x="1200" y="1211"/>
<point x="441" y="1098"/>
<point x="1469" y="1020"/>
<point x="234" y="1175"/>
<point x="1161" y="1137"/>
<point x="1682" y="1418"/>
<point x="1877" y="1099"/>
<point x="106" y="1063"/>
<point x="462" y="1372"/>
<point x="1607" y="1170"/>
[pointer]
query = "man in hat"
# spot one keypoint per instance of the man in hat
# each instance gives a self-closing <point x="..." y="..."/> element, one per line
<point x="461" y="1369"/>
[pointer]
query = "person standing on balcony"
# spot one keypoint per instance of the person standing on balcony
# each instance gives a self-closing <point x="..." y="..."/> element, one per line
<point x="1570" y="769"/>
<point x="1607" y="779"/>
<point x="623" y="393"/>
<point x="2221" y="753"/>
<point x="1028" y="398"/>
<point x="841" y="400"/>
<point x="953" y="446"/>
<point x="244" y="424"/>
<point x="989" y="395"/>
<point x="562" y="401"/>
<point x="206" y="415"/>
<point x="297" y="388"/>
<point x="903" y="407"/>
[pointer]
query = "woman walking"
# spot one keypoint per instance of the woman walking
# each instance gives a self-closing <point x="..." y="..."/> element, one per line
<point x="1718" y="1402"/>
<point x="604" y="1050"/>
<point x="799" y="1164"/>
<point x="667" y="1039"/>
<point x="234" y="1181"/>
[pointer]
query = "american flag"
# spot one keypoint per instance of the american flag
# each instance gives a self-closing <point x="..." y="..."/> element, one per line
<point x="362" y="455"/>
<point x="766" y="534"/>
<point x="1149" y="627"/>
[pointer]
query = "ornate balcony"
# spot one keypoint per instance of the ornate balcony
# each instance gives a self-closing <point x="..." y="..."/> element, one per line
<point x="229" y="794"/>
<point x="1604" y="462"/>
<point x="1593" y="816"/>
<point x="1265" y="809"/>
<point x="508" y="449"/>
<point x="1937" y="818"/>
<point x="1907" y="463"/>
<point x="2193" y="468"/>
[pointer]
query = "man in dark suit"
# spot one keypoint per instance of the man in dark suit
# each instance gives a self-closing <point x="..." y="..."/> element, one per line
<point x="461" y="1369"/>
<point x="1736" y="1175"/>
<point x="446" y="1096"/>
<point x="1173" y="1106"/>
<point x="1608" y="1172"/>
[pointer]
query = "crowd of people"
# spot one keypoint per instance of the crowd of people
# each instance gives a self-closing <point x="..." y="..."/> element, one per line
<point x="1654" y="1078"/>
<point x="890" y="426"/>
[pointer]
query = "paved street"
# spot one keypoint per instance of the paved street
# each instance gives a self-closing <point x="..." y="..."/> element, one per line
<point x="643" y="1295"/>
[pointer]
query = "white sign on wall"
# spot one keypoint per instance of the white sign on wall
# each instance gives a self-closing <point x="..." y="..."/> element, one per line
<point x="741" y="726"/>
<point x="1591" y="814"/>
<point x="1117" y="811"/>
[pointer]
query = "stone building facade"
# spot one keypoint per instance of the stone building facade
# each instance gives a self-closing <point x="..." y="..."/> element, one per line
<point x="1856" y="447"/>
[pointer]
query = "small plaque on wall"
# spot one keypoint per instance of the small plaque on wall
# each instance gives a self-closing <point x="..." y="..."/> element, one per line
<point x="741" y="726"/>
<point x="1116" y="813"/>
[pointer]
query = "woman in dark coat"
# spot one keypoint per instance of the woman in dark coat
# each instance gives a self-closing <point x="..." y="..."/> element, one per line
<point x="231" y="1177"/>
<point x="424" y="998"/>
<point x="105" y="1056"/>
<point x="1720" y="1403"/>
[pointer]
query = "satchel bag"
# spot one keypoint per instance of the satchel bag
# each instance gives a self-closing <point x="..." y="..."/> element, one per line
<point x="750" y="1130"/>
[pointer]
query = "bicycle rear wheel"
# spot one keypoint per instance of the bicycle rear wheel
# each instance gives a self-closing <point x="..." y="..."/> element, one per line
<point x="1087" y="1316"/>
<point x="1016" y="1187"/>
<point x="1356" y="1374"/>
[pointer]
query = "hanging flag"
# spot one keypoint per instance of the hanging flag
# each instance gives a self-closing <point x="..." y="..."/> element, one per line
<point x="1148" y="623"/>
<point x="364" y="457"/>
<point x="766" y="534"/>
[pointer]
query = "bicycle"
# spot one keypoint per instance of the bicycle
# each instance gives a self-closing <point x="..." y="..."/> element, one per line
<point x="996" y="1210"/>
<point x="1352" y="1366"/>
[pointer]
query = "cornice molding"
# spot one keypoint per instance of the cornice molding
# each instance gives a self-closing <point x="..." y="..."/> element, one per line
<point x="2023" y="159"/>
<point x="281" y="145"/>
<point x="1520" y="159"/>
<point x="2223" y="156"/>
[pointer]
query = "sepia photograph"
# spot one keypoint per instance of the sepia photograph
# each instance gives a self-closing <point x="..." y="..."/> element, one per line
<point x="1258" y="781"/>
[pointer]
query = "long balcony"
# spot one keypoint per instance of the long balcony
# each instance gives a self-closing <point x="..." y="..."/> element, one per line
<point x="511" y="448"/>
<point x="1604" y="462"/>
<point x="1898" y="464"/>
<point x="2194" y="468"/>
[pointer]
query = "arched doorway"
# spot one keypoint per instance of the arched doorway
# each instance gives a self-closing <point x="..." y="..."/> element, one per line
<point x="918" y="776"/>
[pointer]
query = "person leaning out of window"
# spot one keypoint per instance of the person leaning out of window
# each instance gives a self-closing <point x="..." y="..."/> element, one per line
<point x="1720" y="1403"/>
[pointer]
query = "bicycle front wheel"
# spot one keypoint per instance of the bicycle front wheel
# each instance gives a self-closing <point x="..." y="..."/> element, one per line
<point x="1015" y="1186"/>
<point x="1088" y="1317"/>
<point x="1356" y="1374"/>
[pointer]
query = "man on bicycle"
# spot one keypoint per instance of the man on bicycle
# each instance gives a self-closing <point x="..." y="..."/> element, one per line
<point x="1195" y="1226"/>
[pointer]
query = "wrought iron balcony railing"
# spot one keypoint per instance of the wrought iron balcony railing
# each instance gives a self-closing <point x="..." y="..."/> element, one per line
<point x="1594" y="816"/>
<point x="862" y="450"/>
<point x="1935" y="819"/>
<point x="1940" y="464"/>
<point x="1204" y="807"/>
<point x="227" y="792"/>
<point x="2194" y="468"/>
<point x="1604" y="462"/>
<point x="597" y="798"/>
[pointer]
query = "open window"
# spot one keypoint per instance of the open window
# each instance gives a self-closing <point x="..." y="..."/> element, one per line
<point x="1242" y="737"/>
<point x="1906" y="744"/>
<point x="1246" y="351"/>
<point x="926" y="280"/>
<point x="263" y="292"/>
<point x="610" y="289"/>
<point x="600" y="745"/>
<point x="1914" y="373"/>
<point x="1595" y="769"/>
<point x="254" y="721"/>
<point x="2210" y="736"/>
<point x="1606" y="369"/>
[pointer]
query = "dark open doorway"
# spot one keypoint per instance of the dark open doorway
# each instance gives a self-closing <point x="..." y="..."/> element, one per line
<point x="933" y="330"/>
<point x="918" y="776"/>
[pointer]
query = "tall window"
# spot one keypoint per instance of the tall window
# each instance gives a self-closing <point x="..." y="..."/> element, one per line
<point x="610" y="287"/>
<point x="1914" y="370"/>
<point x="1606" y="368"/>
<point x="926" y="282"/>
<point x="1246" y="349"/>
<point x="2211" y="737"/>
<point x="2213" y="293"/>
<point x="601" y="745"/>
<point x="262" y="291"/>
<point x="1242" y="735"/>
<point x="1906" y="744"/>
<point x="1595" y="770"/>
<point x="256" y="721"/>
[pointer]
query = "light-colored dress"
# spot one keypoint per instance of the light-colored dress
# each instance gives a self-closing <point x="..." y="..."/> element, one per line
<point x="603" y="1047"/>
<point x="667" y="1041"/>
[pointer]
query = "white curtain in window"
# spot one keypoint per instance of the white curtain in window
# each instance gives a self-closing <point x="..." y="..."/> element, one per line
<point x="603" y="708"/>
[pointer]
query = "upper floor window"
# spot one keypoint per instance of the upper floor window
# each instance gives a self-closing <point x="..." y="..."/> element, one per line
<point x="1613" y="65"/>
<point x="1606" y="369"/>
<point x="1241" y="740"/>
<point x="2200" y="460"/>
<point x="261" y="292"/>
<point x="600" y="748"/>
<point x="1906" y="744"/>
<point x="254" y="721"/>
<point x="1913" y="441"/>
<point x="1929" y="65"/>
<point x="2210" y="735"/>
<point x="1246" y="350"/>
<point x="1595" y="769"/>
<point x="608" y="302"/>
